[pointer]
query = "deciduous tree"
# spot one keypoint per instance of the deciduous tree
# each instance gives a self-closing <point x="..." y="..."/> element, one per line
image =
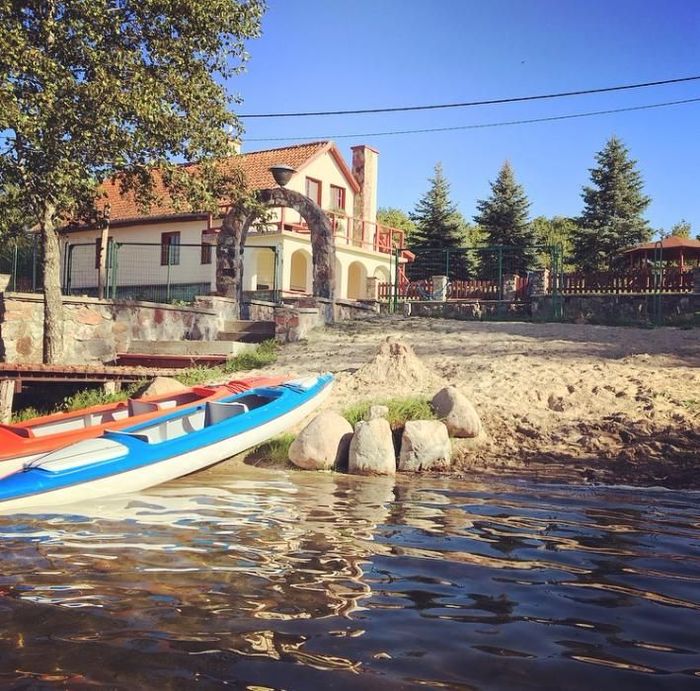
<point x="92" y="88"/>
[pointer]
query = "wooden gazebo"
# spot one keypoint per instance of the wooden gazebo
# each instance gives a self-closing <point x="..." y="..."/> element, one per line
<point x="683" y="253"/>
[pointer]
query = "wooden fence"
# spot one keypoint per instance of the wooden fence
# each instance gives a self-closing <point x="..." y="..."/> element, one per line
<point x="642" y="281"/>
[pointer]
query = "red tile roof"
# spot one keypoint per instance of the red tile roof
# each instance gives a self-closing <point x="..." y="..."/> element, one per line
<point x="669" y="243"/>
<point x="255" y="166"/>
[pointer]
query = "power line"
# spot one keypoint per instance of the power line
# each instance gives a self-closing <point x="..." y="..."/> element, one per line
<point x="479" y="125"/>
<point x="466" y="104"/>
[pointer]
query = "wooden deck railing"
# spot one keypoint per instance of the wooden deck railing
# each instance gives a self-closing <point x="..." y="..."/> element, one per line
<point x="642" y="281"/>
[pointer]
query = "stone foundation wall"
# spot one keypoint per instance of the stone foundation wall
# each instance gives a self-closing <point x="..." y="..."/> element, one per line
<point x="473" y="310"/>
<point x="675" y="309"/>
<point x="95" y="330"/>
<point x="293" y="322"/>
<point x="621" y="309"/>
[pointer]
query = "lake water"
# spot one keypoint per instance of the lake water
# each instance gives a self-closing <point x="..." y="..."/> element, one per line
<point x="257" y="579"/>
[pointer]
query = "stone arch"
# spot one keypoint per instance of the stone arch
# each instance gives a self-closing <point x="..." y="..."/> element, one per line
<point x="357" y="281"/>
<point x="234" y="232"/>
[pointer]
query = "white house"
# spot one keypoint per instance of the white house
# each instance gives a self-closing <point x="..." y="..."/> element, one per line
<point x="170" y="254"/>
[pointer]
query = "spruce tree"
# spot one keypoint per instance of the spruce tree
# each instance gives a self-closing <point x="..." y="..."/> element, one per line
<point x="504" y="219"/>
<point x="613" y="206"/>
<point x="438" y="239"/>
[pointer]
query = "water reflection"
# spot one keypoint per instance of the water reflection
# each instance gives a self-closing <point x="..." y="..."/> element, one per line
<point x="275" y="579"/>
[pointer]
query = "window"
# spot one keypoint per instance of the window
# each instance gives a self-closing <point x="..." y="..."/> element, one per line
<point x="206" y="250"/>
<point x="98" y="249"/>
<point x="169" y="249"/>
<point x="313" y="190"/>
<point x="337" y="198"/>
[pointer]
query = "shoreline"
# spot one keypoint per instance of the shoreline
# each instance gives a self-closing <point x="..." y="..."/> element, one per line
<point x="598" y="404"/>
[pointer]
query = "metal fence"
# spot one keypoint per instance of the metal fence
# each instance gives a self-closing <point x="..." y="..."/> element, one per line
<point x="140" y="271"/>
<point x="20" y="258"/>
<point x="161" y="272"/>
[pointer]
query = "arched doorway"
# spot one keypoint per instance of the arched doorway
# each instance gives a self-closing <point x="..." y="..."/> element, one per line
<point x="300" y="271"/>
<point x="234" y="231"/>
<point x="382" y="274"/>
<point x="357" y="281"/>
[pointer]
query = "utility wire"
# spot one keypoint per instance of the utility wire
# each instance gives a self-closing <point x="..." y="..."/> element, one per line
<point x="480" y="125"/>
<point x="466" y="104"/>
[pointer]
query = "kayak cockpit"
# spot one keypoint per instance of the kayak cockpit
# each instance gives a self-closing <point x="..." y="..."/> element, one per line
<point x="194" y="420"/>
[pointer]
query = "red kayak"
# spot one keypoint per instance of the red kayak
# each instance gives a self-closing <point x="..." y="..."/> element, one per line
<point x="25" y="441"/>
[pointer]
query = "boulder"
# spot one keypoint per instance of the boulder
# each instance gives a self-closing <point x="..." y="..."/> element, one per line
<point x="323" y="444"/>
<point x="376" y="411"/>
<point x="455" y="410"/>
<point x="372" y="449"/>
<point x="162" y="386"/>
<point x="425" y="445"/>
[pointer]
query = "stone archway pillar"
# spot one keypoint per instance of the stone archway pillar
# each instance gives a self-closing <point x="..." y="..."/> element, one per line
<point x="234" y="231"/>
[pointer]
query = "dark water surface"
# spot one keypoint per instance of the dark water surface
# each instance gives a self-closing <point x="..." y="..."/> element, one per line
<point x="269" y="579"/>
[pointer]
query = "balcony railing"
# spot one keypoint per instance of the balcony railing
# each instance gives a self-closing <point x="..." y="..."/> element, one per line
<point x="347" y="230"/>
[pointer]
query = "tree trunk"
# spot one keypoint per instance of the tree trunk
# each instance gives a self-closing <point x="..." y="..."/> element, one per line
<point x="53" y="304"/>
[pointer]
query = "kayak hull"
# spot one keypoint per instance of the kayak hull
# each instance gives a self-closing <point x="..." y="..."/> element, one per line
<point x="154" y="472"/>
<point x="25" y="442"/>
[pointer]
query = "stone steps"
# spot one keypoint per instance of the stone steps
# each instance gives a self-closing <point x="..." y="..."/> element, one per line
<point x="245" y="331"/>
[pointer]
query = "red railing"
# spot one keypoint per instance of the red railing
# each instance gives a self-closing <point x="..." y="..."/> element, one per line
<point x="456" y="290"/>
<point x="641" y="281"/>
<point x="347" y="230"/>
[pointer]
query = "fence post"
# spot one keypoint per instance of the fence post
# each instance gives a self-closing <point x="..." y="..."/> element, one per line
<point x="439" y="288"/>
<point x="500" y="272"/>
<point x="167" y="280"/>
<point x="115" y="267"/>
<point x="34" y="263"/>
<point x="14" y="269"/>
<point x="7" y="392"/>
<point x="396" y="281"/>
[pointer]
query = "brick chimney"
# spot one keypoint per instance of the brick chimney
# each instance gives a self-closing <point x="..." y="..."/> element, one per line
<point x="365" y="160"/>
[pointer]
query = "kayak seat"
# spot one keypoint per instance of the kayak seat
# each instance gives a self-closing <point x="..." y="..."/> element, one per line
<point x="217" y="411"/>
<point x="137" y="407"/>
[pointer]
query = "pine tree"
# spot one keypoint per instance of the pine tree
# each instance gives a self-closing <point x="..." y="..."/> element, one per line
<point x="504" y="219"/>
<point x="439" y="229"/>
<point x="613" y="206"/>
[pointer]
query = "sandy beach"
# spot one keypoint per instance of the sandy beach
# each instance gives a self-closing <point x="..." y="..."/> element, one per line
<point x="562" y="401"/>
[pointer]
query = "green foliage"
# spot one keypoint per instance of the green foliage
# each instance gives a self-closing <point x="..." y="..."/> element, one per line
<point x="265" y="354"/>
<point x="400" y="410"/>
<point x="613" y="206"/>
<point x="92" y="397"/>
<point x="94" y="88"/>
<point x="504" y="219"/>
<point x="439" y="227"/>
<point x="24" y="414"/>
<point x="682" y="229"/>
<point x="556" y="231"/>
<point x="395" y="218"/>
<point x="273" y="452"/>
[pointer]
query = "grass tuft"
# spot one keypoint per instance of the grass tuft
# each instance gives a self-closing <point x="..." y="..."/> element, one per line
<point x="273" y="452"/>
<point x="400" y="410"/>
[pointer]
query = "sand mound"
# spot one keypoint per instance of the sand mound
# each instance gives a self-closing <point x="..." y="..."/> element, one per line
<point x="397" y="364"/>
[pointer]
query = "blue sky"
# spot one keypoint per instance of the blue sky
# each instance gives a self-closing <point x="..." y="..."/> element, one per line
<point x="327" y="54"/>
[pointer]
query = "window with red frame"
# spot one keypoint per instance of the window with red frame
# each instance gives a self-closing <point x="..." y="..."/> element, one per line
<point x="169" y="249"/>
<point x="313" y="190"/>
<point x="337" y="198"/>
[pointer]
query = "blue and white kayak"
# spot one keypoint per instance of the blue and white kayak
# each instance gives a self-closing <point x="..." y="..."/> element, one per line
<point x="164" y="448"/>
